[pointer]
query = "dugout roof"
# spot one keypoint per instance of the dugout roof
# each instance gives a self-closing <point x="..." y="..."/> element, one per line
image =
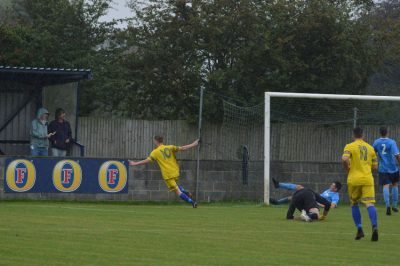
<point x="40" y="76"/>
<point x="24" y="89"/>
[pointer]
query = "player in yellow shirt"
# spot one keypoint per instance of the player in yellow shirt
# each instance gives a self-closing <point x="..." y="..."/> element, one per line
<point x="359" y="158"/>
<point x="165" y="156"/>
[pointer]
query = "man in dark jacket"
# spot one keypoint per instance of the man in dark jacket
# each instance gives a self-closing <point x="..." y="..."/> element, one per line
<point x="63" y="137"/>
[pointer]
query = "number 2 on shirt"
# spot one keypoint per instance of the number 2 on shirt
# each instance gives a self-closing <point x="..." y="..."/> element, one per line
<point x="363" y="153"/>
<point x="383" y="149"/>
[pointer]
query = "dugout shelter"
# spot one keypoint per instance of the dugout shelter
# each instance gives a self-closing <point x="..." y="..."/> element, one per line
<point x="23" y="90"/>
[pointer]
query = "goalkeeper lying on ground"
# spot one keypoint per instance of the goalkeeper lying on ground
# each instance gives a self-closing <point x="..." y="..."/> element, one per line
<point x="331" y="194"/>
<point x="306" y="201"/>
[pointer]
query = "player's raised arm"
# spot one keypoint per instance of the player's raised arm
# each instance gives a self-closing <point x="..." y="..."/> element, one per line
<point x="189" y="146"/>
<point x="133" y="163"/>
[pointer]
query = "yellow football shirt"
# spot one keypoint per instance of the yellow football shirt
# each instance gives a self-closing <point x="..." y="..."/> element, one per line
<point x="165" y="156"/>
<point x="362" y="157"/>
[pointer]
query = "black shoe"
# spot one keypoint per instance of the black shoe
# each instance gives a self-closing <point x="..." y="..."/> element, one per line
<point x="273" y="201"/>
<point x="360" y="234"/>
<point x="374" y="234"/>
<point x="395" y="209"/>
<point x="388" y="211"/>
<point x="276" y="183"/>
<point x="194" y="204"/>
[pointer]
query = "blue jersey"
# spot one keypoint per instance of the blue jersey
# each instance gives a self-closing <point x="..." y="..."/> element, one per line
<point x="387" y="150"/>
<point x="331" y="196"/>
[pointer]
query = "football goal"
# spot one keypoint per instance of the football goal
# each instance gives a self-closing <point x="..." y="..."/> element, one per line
<point x="315" y="127"/>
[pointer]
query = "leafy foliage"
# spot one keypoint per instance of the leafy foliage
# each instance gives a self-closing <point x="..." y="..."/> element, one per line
<point x="242" y="48"/>
<point x="153" y="69"/>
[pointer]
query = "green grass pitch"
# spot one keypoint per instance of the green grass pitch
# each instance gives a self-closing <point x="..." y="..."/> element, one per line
<point x="59" y="233"/>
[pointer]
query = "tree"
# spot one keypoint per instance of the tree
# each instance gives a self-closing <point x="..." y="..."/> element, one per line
<point x="60" y="33"/>
<point x="241" y="49"/>
<point x="385" y="22"/>
<point x="155" y="67"/>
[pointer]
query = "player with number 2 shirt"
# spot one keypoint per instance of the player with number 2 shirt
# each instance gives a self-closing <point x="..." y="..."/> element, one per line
<point x="388" y="170"/>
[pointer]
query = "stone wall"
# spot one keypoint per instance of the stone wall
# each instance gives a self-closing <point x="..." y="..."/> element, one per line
<point x="219" y="180"/>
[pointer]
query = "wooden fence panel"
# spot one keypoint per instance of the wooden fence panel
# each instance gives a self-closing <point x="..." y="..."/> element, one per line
<point x="125" y="138"/>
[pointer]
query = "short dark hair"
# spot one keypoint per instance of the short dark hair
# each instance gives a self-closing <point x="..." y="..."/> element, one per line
<point x="59" y="111"/>
<point x="159" y="139"/>
<point x="383" y="131"/>
<point x="358" y="132"/>
<point x="338" y="185"/>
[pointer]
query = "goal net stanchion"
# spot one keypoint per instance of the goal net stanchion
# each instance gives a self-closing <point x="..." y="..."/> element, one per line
<point x="379" y="118"/>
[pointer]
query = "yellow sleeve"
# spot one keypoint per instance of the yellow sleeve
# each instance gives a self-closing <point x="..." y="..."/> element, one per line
<point x="174" y="148"/>
<point x="152" y="156"/>
<point x="347" y="151"/>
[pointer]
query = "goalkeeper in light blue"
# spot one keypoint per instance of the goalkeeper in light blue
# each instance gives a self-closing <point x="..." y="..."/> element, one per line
<point x="331" y="194"/>
<point x="388" y="170"/>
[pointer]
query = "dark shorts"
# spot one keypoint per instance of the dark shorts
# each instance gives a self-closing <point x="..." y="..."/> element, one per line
<point x="304" y="199"/>
<point x="388" y="178"/>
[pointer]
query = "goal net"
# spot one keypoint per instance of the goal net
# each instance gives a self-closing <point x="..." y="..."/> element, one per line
<point x="295" y="138"/>
<point x="304" y="135"/>
<point x="232" y="138"/>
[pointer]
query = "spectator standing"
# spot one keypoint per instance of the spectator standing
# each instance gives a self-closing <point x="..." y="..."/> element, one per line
<point x="40" y="134"/>
<point x="62" y="139"/>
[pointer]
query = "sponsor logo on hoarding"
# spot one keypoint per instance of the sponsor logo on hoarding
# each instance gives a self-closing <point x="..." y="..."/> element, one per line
<point x="67" y="176"/>
<point x="112" y="176"/>
<point x="20" y="175"/>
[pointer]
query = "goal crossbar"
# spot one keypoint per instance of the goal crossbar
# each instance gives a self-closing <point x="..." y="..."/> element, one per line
<point x="332" y="96"/>
<point x="267" y="121"/>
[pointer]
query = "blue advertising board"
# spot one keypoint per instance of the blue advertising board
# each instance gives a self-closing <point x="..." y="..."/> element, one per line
<point x="62" y="175"/>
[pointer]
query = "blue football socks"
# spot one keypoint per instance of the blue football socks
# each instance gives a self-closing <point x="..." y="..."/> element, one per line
<point x="373" y="216"/>
<point x="386" y="196"/>
<point x="288" y="186"/>
<point x="395" y="196"/>
<point x="186" y="198"/>
<point x="355" y="210"/>
<point x="182" y="189"/>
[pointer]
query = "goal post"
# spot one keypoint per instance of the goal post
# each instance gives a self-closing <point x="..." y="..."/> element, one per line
<point x="267" y="121"/>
